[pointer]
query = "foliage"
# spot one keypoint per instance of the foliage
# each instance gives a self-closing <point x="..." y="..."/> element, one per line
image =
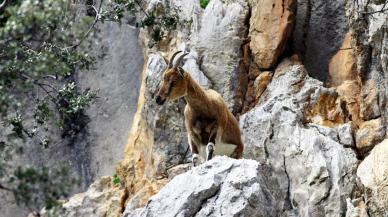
<point x="36" y="186"/>
<point x="39" y="53"/>
<point x="37" y="61"/>
<point x="116" y="180"/>
<point x="204" y="3"/>
<point x="156" y="20"/>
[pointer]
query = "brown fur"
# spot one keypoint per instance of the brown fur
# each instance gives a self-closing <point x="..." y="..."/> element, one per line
<point x="207" y="117"/>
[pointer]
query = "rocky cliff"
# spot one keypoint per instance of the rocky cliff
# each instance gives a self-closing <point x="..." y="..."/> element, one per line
<point x="307" y="80"/>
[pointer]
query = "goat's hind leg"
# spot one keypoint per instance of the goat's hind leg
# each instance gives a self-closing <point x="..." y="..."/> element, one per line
<point x="211" y="145"/>
<point x="209" y="151"/>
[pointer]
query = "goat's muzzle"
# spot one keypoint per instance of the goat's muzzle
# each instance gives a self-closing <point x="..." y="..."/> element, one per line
<point x="159" y="100"/>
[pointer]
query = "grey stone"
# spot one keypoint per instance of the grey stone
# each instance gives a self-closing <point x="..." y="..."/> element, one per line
<point x="219" y="187"/>
<point x="345" y="134"/>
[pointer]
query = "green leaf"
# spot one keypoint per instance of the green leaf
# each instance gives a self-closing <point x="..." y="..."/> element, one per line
<point x="203" y="3"/>
<point x="116" y="180"/>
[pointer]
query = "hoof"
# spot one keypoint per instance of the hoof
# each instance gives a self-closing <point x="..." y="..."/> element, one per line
<point x="195" y="160"/>
<point x="209" y="151"/>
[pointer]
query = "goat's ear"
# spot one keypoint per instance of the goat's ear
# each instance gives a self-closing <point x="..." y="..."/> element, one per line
<point x="181" y="71"/>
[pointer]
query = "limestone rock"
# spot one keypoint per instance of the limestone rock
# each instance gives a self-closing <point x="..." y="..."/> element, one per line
<point x="222" y="186"/>
<point x="271" y="24"/>
<point x="373" y="172"/>
<point x="345" y="134"/>
<point x="370" y="133"/>
<point x="314" y="171"/>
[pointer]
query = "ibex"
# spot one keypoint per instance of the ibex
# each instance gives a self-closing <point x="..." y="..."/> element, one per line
<point x="211" y="127"/>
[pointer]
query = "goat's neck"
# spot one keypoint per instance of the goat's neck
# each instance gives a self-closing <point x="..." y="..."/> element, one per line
<point x="196" y="97"/>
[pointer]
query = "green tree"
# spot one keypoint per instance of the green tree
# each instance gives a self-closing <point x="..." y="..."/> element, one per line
<point x="37" y="92"/>
<point x="39" y="53"/>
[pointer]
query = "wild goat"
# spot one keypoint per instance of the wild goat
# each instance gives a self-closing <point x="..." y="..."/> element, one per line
<point x="207" y="118"/>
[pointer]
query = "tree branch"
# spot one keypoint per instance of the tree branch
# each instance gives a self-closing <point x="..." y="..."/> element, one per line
<point x="5" y="188"/>
<point x="97" y="18"/>
<point x="4" y="5"/>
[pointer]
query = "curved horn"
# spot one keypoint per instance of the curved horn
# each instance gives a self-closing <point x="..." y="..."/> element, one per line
<point x="170" y="64"/>
<point x="178" y="62"/>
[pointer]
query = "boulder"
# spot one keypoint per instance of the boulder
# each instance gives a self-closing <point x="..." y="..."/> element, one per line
<point x="221" y="186"/>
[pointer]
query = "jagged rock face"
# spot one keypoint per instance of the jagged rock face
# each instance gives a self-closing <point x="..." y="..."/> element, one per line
<point x="271" y="24"/>
<point x="222" y="186"/>
<point x="373" y="173"/>
<point x="308" y="136"/>
<point x="274" y="133"/>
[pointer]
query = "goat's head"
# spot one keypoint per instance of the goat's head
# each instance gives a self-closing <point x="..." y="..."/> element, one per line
<point x="174" y="82"/>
